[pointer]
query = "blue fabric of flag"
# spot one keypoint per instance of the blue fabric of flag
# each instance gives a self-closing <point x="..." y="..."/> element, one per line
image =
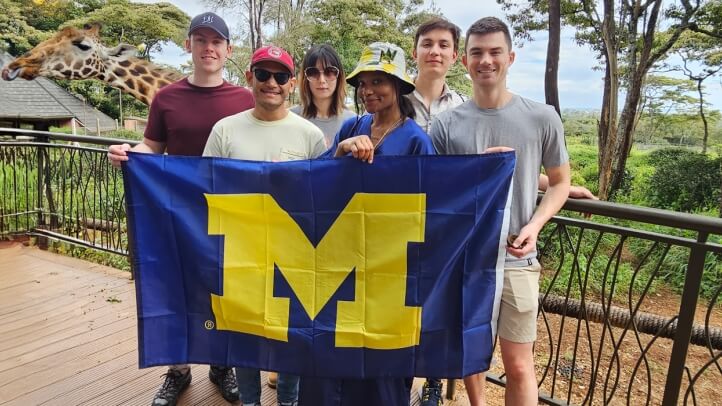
<point x="454" y="275"/>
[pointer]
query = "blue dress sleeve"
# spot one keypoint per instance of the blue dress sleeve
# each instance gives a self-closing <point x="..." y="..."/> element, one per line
<point x="346" y="130"/>
<point x="421" y="142"/>
<point x="424" y="146"/>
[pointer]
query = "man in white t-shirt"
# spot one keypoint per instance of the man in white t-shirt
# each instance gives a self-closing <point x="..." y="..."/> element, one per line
<point x="268" y="132"/>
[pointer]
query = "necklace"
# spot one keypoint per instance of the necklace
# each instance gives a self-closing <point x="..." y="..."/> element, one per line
<point x="388" y="130"/>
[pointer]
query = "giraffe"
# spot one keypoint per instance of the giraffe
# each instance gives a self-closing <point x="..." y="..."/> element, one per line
<point x="78" y="54"/>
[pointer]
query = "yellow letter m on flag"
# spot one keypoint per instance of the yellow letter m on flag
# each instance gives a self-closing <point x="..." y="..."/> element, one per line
<point x="370" y="236"/>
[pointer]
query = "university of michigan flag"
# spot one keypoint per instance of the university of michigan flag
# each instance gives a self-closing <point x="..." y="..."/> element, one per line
<point x="319" y="268"/>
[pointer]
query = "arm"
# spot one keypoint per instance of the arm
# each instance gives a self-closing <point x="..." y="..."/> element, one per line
<point x="554" y="198"/>
<point x="575" y="192"/>
<point x="118" y="153"/>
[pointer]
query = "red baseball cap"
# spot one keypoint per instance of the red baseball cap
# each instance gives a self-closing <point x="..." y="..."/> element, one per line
<point x="274" y="54"/>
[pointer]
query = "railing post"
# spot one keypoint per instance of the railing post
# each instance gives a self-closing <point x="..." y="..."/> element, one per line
<point x="42" y="241"/>
<point x="688" y="306"/>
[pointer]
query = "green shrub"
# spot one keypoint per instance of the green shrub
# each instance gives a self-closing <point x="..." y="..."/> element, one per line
<point x="124" y="134"/>
<point x="683" y="180"/>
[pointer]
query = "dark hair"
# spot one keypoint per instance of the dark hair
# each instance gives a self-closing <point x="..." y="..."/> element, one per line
<point x="489" y="25"/>
<point x="405" y="106"/>
<point x="438" y="23"/>
<point x="328" y="57"/>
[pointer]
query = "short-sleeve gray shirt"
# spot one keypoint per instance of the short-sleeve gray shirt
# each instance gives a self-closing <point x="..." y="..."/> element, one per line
<point x="329" y="126"/>
<point x="533" y="129"/>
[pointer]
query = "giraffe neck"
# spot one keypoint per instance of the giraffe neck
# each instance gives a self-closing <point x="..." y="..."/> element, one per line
<point x="138" y="77"/>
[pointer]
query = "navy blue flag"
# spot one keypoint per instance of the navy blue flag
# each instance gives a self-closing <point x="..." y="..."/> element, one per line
<point x="332" y="268"/>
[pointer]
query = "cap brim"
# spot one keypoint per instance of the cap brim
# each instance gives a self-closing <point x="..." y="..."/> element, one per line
<point x="407" y="85"/>
<point x="285" y="65"/>
<point x="210" y="27"/>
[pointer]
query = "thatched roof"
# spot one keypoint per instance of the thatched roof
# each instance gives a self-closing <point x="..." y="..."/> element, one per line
<point x="42" y="100"/>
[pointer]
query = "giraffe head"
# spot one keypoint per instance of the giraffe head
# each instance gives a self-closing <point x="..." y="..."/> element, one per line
<point x="69" y="54"/>
<point x="78" y="54"/>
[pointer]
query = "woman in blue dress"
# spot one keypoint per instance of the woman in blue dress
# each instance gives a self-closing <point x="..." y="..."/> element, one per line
<point x="388" y="128"/>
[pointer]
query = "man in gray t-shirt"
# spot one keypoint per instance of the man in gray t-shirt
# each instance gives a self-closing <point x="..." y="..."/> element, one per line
<point x="497" y="120"/>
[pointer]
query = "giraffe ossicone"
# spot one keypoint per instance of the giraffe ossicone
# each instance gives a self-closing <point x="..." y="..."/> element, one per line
<point x="78" y="54"/>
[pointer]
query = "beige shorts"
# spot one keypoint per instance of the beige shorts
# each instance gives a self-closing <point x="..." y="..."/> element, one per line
<point x="519" y="303"/>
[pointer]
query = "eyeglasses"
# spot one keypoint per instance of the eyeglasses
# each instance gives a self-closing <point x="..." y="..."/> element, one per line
<point x="263" y="75"/>
<point x="313" y="73"/>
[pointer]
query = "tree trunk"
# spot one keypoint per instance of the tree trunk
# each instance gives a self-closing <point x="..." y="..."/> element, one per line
<point x="701" y="114"/>
<point x="607" y="132"/>
<point x="625" y="134"/>
<point x="551" y="86"/>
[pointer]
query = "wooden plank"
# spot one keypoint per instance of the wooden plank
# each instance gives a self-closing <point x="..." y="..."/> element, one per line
<point x="26" y="325"/>
<point x="63" y="344"/>
<point x="53" y="382"/>
<point x="43" y="307"/>
<point x="39" y="294"/>
<point x="23" y="354"/>
<point x="59" y="331"/>
<point x="101" y="349"/>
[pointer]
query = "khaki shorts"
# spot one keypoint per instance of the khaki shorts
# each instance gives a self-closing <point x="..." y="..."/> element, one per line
<point x="519" y="303"/>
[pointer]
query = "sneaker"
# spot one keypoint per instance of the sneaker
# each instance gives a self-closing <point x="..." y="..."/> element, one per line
<point x="225" y="379"/>
<point x="287" y="403"/>
<point x="431" y="393"/>
<point x="175" y="382"/>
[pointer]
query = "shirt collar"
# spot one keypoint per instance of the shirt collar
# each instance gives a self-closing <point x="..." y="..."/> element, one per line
<point x="445" y="92"/>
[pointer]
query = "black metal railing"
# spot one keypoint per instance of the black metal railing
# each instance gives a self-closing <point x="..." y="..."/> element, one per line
<point x="62" y="187"/>
<point x="619" y="306"/>
<point x="629" y="298"/>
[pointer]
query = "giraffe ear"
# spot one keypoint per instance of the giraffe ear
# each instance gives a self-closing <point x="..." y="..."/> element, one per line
<point x="122" y="51"/>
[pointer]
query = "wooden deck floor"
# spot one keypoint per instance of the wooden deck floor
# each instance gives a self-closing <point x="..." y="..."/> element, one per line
<point x="68" y="337"/>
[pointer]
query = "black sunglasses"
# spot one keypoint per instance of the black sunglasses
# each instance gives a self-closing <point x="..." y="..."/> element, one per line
<point x="313" y="73"/>
<point x="263" y="75"/>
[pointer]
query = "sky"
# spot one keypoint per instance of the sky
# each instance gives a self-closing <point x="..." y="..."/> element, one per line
<point x="580" y="85"/>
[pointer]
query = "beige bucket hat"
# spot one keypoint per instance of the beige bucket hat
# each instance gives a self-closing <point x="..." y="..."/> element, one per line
<point x="383" y="57"/>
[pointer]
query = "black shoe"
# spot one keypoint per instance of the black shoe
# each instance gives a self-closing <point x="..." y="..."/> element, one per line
<point x="431" y="393"/>
<point x="175" y="382"/>
<point x="225" y="379"/>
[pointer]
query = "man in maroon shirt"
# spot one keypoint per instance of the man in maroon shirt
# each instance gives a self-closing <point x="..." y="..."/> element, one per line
<point x="180" y="121"/>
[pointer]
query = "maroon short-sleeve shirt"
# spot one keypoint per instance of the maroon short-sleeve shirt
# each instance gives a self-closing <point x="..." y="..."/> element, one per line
<point x="182" y="115"/>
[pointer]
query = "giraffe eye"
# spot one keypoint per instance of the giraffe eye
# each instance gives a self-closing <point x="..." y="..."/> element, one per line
<point x="82" y="46"/>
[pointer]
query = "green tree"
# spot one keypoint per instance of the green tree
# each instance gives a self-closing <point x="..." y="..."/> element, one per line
<point x="701" y="57"/>
<point x="350" y="25"/>
<point x="49" y="15"/>
<point x="662" y="98"/>
<point x="709" y="21"/>
<point x="152" y="24"/>
<point x="16" y="34"/>
<point x="627" y="38"/>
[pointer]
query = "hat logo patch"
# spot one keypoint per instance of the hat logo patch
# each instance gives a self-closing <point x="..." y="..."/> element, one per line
<point x="274" y="52"/>
<point x="387" y="56"/>
<point x="207" y="19"/>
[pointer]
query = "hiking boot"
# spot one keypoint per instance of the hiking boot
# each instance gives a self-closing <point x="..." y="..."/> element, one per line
<point x="225" y="379"/>
<point x="175" y="383"/>
<point x="431" y="393"/>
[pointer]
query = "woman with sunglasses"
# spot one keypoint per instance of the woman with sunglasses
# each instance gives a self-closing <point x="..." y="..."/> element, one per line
<point x="322" y="91"/>
<point x="380" y="81"/>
